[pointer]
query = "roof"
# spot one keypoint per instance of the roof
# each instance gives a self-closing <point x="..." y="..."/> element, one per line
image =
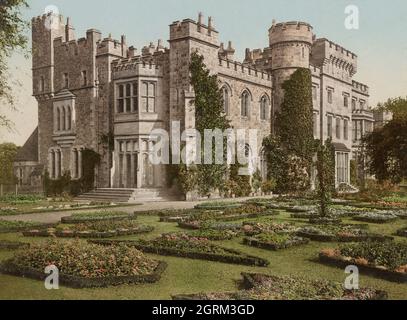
<point x="340" y="147"/>
<point x="29" y="152"/>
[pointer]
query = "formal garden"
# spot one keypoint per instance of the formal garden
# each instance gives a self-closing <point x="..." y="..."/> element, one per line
<point x="266" y="248"/>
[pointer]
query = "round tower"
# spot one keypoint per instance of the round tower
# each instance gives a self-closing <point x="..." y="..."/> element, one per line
<point x="290" y="46"/>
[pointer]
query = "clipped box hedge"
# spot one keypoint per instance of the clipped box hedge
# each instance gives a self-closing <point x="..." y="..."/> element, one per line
<point x="235" y="257"/>
<point x="78" y="282"/>
<point x="253" y="242"/>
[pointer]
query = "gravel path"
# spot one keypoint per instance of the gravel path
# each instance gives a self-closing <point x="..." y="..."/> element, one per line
<point x="53" y="217"/>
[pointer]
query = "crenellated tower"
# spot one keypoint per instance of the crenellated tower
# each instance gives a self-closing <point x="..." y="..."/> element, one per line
<point x="290" y="46"/>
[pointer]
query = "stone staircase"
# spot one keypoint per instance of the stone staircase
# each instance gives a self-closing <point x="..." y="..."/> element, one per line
<point x="129" y="195"/>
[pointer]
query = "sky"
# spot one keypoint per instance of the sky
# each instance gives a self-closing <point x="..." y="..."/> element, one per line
<point x="380" y="42"/>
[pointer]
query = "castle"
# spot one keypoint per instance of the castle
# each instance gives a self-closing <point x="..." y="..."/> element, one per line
<point x="93" y="87"/>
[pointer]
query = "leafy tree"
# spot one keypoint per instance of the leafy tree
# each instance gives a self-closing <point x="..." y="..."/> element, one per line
<point x="12" y="37"/>
<point x="8" y="152"/>
<point x="326" y="175"/>
<point x="209" y="115"/>
<point x="386" y="150"/>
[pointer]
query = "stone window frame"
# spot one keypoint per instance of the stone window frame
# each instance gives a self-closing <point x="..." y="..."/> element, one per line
<point x="64" y="118"/>
<point x="76" y="162"/>
<point x="330" y="125"/>
<point x="226" y="92"/>
<point x="84" y="78"/>
<point x="245" y="99"/>
<point x="338" y="128"/>
<point x="346" y="128"/>
<point x="65" y="80"/>
<point x="346" y="97"/>
<point x="41" y="87"/>
<point x="127" y="102"/>
<point x="265" y="109"/>
<point x="148" y="96"/>
<point x="330" y="94"/>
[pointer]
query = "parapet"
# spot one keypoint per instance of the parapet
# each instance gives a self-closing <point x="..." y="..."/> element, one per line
<point x="292" y="31"/>
<point x="325" y="51"/>
<point x="135" y="66"/>
<point x="189" y="28"/>
<point x="360" y="87"/>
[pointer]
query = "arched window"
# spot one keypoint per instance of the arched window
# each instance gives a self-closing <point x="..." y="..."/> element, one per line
<point x="225" y="93"/>
<point x="264" y="108"/>
<point x="245" y="101"/>
<point x="63" y="119"/>
<point x="58" y="120"/>
<point x="69" y="118"/>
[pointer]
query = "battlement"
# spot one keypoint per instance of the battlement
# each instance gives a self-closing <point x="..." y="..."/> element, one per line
<point x="292" y="31"/>
<point x="45" y="19"/>
<point x="325" y="51"/>
<point x="189" y="28"/>
<point x="360" y="87"/>
<point x="241" y="70"/>
<point x="112" y="46"/>
<point x="74" y="46"/>
<point x="135" y="66"/>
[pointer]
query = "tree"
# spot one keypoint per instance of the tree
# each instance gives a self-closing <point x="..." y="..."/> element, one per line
<point x="290" y="152"/>
<point x="8" y="152"/>
<point x="208" y="116"/>
<point x="326" y="175"/>
<point x="12" y="37"/>
<point x="386" y="150"/>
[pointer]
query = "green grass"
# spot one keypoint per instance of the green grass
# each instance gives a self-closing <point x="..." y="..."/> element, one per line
<point x="187" y="276"/>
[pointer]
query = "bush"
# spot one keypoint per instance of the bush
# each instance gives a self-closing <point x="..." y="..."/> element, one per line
<point x="97" y="216"/>
<point x="387" y="254"/>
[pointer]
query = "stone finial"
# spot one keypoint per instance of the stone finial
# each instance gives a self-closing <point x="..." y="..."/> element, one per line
<point x="230" y="47"/>
<point x="123" y="40"/>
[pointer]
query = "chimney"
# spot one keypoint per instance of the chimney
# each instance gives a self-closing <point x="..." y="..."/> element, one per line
<point x="200" y="17"/>
<point x="123" y="44"/>
<point x="69" y="30"/>
<point x="132" y="52"/>
<point x="210" y="26"/>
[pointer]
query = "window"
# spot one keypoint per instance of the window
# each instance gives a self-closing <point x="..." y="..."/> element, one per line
<point x="330" y="94"/>
<point x="354" y="130"/>
<point x="69" y="118"/>
<point x="84" y="79"/>
<point x="245" y="104"/>
<point x="65" y="81"/>
<point x="58" y="116"/>
<point x="315" y="123"/>
<point x="264" y="107"/>
<point x="345" y="101"/>
<point x="42" y="84"/>
<point x="353" y="104"/>
<point x="128" y="98"/>
<point x="342" y="167"/>
<point x="63" y="120"/>
<point x="346" y="129"/>
<point x="330" y="126"/>
<point x="135" y="97"/>
<point x="314" y="92"/>
<point x="55" y="163"/>
<point x="148" y="96"/>
<point x="362" y="104"/>
<point x="120" y="100"/>
<point x="338" y="128"/>
<point x="225" y="93"/>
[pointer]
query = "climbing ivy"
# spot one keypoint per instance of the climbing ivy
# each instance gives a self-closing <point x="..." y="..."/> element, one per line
<point x="290" y="151"/>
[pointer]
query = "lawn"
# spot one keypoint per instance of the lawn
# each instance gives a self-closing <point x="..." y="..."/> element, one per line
<point x="187" y="276"/>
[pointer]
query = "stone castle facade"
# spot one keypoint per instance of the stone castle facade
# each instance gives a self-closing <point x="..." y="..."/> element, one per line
<point x="93" y="89"/>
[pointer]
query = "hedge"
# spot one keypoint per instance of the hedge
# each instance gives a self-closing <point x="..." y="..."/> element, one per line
<point x="27" y="227"/>
<point x="87" y="234"/>
<point x="236" y="257"/>
<point x="342" y="262"/>
<point x="11" y="245"/>
<point x="334" y="238"/>
<point x="74" y="220"/>
<point x="272" y="246"/>
<point x="81" y="282"/>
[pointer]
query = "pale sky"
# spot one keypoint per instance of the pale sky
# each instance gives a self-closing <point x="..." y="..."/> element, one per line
<point x="380" y="42"/>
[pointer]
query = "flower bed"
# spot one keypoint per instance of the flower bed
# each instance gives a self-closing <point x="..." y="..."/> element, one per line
<point x="339" y="233"/>
<point x="376" y="217"/>
<point x="402" y="232"/>
<point x="253" y="228"/>
<point x="182" y="245"/>
<point x="84" y="265"/>
<point x="98" y="216"/>
<point x="12" y="245"/>
<point x="325" y="220"/>
<point x="387" y="260"/>
<point x="217" y="205"/>
<point x="100" y="229"/>
<point x="274" y="241"/>
<point x="270" y="287"/>
<point x="16" y="226"/>
<point x="216" y="235"/>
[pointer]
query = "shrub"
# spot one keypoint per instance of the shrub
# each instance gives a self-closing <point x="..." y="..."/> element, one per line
<point x="388" y="254"/>
<point x="97" y="216"/>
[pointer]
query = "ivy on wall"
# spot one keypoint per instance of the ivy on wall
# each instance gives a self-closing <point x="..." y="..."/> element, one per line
<point x="290" y="151"/>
